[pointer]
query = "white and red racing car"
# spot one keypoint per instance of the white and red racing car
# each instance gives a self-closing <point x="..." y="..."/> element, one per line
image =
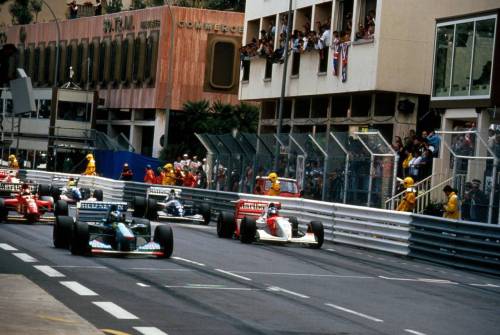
<point x="259" y="221"/>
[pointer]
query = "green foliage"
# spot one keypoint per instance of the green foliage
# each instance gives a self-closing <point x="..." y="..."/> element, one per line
<point x="237" y="5"/>
<point x="199" y="117"/>
<point x="21" y="12"/>
<point x="154" y="3"/>
<point x="36" y="7"/>
<point x="114" y="6"/>
<point x="138" y="4"/>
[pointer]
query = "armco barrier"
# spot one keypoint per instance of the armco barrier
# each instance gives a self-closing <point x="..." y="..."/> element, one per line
<point x="468" y="245"/>
<point x="461" y="244"/>
<point x="372" y="228"/>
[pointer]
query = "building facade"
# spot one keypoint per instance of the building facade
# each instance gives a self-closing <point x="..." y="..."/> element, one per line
<point x="125" y="58"/>
<point x="376" y="75"/>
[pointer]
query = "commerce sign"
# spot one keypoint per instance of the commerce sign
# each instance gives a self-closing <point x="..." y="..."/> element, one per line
<point x="210" y="27"/>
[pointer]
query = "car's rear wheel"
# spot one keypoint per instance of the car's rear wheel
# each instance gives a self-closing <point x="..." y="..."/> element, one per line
<point x="63" y="230"/>
<point x="99" y="195"/>
<point x="80" y="239"/>
<point x="164" y="236"/>
<point x="4" y="212"/>
<point x="248" y="230"/>
<point x="316" y="227"/>
<point x="44" y="190"/>
<point x="152" y="210"/>
<point x="204" y="210"/>
<point x="295" y="226"/>
<point x="139" y="204"/>
<point x="225" y="225"/>
<point x="61" y="208"/>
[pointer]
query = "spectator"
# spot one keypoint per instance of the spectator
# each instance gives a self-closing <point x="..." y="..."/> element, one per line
<point x="425" y="166"/>
<point x="451" y="209"/>
<point x="478" y="203"/>
<point x="98" y="8"/>
<point x="414" y="165"/>
<point x="177" y="163"/>
<point x="201" y="178"/>
<point x="194" y="165"/>
<point x="127" y="173"/>
<point x="466" y="203"/>
<point x="149" y="176"/>
<point x="189" y="179"/>
<point x="73" y="10"/>
<point x="185" y="161"/>
<point x="434" y="141"/>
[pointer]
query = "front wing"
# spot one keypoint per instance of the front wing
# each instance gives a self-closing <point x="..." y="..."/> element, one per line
<point x="264" y="236"/>
<point x="148" y="249"/>
<point x="170" y="218"/>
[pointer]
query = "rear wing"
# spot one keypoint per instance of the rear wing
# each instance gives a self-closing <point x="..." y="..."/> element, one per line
<point x="163" y="192"/>
<point x="62" y="180"/>
<point x="92" y="211"/>
<point x="16" y="187"/>
<point x="253" y="207"/>
<point x="8" y="172"/>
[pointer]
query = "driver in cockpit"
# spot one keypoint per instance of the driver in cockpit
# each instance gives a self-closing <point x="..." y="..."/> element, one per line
<point x="115" y="215"/>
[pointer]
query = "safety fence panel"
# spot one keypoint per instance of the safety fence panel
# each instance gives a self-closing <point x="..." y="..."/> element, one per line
<point x="372" y="228"/>
<point x="468" y="245"/>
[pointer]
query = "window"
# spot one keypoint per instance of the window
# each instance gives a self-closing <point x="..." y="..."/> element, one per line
<point x="47" y="63"/>
<point x="302" y="108"/>
<point x="268" y="110"/>
<point x="36" y="67"/>
<point x="139" y="58"/>
<point x="319" y="107"/>
<point x="365" y="29"/>
<point x="361" y="105"/>
<point x="295" y="63"/>
<point x="74" y="111"/>
<point x="124" y="60"/>
<point x="463" y="58"/>
<point x="268" y="73"/>
<point x="62" y="62"/>
<point x="246" y="69"/>
<point x="483" y="52"/>
<point x="385" y="104"/>
<point x="340" y="105"/>
<point x="44" y="109"/>
<point x="115" y="61"/>
<point x="151" y="57"/>
<point x="223" y="56"/>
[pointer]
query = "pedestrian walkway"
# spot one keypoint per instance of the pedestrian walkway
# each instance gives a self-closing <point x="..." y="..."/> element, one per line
<point x="25" y="308"/>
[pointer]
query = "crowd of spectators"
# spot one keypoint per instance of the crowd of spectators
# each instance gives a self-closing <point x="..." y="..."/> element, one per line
<point x="415" y="154"/>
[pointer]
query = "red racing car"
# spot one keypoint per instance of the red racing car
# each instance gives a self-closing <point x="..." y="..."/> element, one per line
<point x="29" y="207"/>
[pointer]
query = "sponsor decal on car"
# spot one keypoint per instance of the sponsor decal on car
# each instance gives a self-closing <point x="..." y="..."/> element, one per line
<point x="101" y="205"/>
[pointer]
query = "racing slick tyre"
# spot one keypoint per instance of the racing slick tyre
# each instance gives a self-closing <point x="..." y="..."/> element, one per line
<point x="204" y="210"/>
<point x="225" y="225"/>
<point x="145" y="222"/>
<point x="152" y="210"/>
<point x="317" y="229"/>
<point x="61" y="208"/>
<point x="248" y="229"/>
<point x="295" y="226"/>
<point x="44" y="190"/>
<point x="98" y="195"/>
<point x="165" y="238"/>
<point x="56" y="193"/>
<point x="63" y="230"/>
<point x="79" y="244"/>
<point x="4" y="212"/>
<point x="139" y="204"/>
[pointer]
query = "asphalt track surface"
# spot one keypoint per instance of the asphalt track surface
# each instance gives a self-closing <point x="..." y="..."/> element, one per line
<point x="219" y="286"/>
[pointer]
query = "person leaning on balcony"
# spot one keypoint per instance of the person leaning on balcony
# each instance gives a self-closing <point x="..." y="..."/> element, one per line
<point x="97" y="8"/>
<point x="451" y="209"/>
<point x="409" y="200"/>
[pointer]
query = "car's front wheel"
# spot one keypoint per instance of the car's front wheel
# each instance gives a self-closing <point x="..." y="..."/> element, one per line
<point x="225" y="225"/>
<point x="164" y="236"/>
<point x="316" y="227"/>
<point x="80" y="239"/>
<point x="62" y="233"/>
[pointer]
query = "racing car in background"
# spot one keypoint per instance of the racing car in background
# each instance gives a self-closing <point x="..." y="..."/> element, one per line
<point x="166" y="204"/>
<point x="65" y="187"/>
<point x="259" y="221"/>
<point x="102" y="228"/>
<point x="30" y="205"/>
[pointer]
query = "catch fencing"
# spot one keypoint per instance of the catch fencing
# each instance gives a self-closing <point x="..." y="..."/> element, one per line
<point x="461" y="244"/>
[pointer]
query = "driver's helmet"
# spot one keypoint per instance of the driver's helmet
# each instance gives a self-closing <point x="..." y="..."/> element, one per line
<point x="171" y="195"/>
<point x="272" y="210"/>
<point x="115" y="215"/>
<point x="71" y="182"/>
<point x="25" y="188"/>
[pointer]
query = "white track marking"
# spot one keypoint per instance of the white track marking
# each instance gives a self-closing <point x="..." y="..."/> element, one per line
<point x="150" y="331"/>
<point x="301" y="274"/>
<point x="414" y="332"/>
<point x="332" y="250"/>
<point x="143" y="285"/>
<point x="25" y="257"/>
<point x="484" y="285"/>
<point x="400" y="279"/>
<point x="355" y="313"/>
<point x="437" y="281"/>
<point x="233" y="274"/>
<point x="78" y="288"/>
<point x="49" y="271"/>
<point x="188" y="261"/>
<point x="212" y="287"/>
<point x="115" y="310"/>
<point x="7" y="247"/>
<point x="279" y="289"/>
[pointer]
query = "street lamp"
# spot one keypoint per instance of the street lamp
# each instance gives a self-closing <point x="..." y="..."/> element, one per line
<point x="168" y="98"/>
<point x="283" y="87"/>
